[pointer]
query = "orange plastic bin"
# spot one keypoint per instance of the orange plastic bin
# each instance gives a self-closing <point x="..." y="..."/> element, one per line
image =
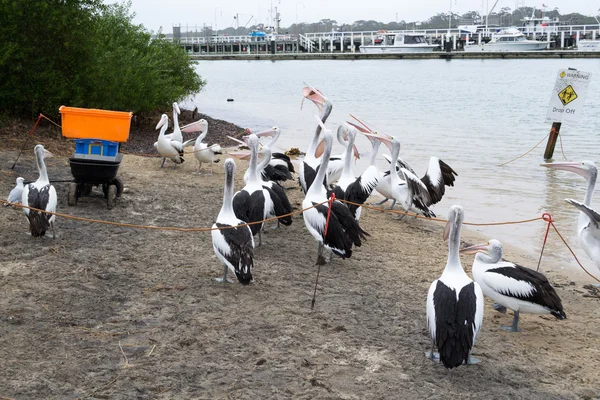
<point x="89" y="123"/>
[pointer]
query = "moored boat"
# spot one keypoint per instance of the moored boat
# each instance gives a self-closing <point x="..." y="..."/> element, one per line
<point x="402" y="42"/>
<point x="510" y="39"/>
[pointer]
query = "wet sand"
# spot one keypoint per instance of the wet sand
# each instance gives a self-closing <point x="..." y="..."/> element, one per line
<point x="120" y="313"/>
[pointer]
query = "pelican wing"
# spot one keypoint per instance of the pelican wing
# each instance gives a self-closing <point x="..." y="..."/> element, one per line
<point x="438" y="176"/>
<point x="590" y="212"/>
<point x="418" y="194"/>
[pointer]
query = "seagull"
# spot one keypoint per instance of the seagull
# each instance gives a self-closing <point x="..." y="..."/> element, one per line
<point x="454" y="304"/>
<point x="233" y="244"/>
<point x="16" y="193"/>
<point x="588" y="226"/>
<point x="41" y="195"/>
<point x="513" y="286"/>
<point x="168" y="148"/>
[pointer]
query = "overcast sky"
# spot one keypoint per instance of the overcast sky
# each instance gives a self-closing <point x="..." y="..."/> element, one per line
<point x="154" y="14"/>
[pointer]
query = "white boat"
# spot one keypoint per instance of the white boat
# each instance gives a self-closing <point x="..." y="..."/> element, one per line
<point x="403" y="42"/>
<point x="510" y="39"/>
<point x="588" y="45"/>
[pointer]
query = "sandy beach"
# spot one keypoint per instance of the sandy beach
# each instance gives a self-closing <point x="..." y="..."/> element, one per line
<point x="111" y="312"/>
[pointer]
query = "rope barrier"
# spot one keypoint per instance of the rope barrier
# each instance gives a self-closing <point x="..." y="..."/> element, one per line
<point x="548" y="218"/>
<point x="572" y="252"/>
<point x="561" y="147"/>
<point x="152" y="227"/>
<point x="529" y="151"/>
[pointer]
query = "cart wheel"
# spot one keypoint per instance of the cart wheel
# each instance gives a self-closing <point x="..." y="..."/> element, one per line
<point x="117" y="182"/>
<point x="72" y="197"/>
<point x="111" y="199"/>
<point x="87" y="189"/>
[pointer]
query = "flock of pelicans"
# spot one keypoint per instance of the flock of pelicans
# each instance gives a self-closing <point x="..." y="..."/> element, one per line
<point x="454" y="301"/>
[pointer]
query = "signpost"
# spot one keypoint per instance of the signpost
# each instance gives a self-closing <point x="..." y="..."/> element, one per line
<point x="566" y="102"/>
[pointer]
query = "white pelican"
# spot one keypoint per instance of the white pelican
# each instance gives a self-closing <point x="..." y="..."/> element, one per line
<point x="454" y="304"/>
<point x="254" y="202"/>
<point x="280" y="168"/>
<point x="203" y="152"/>
<point x="16" y="193"/>
<point x="176" y="135"/>
<point x="343" y="230"/>
<point x="168" y="148"/>
<point x="349" y="187"/>
<point x="511" y="285"/>
<point x="41" y="195"/>
<point x="308" y="168"/>
<point x="233" y="246"/>
<point x="588" y="226"/>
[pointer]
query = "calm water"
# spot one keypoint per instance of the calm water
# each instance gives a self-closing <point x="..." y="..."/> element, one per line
<point x="473" y="114"/>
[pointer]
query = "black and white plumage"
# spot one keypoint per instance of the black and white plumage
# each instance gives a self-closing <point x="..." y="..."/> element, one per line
<point x="349" y="187"/>
<point x="280" y="167"/>
<point x="454" y="303"/>
<point x="343" y="230"/>
<point x="16" y="193"/>
<point x="232" y="246"/>
<point x="513" y="286"/>
<point x="281" y="203"/>
<point x="588" y="223"/>
<point x="307" y="170"/>
<point x="254" y="202"/>
<point x="41" y="195"/>
<point x="167" y="147"/>
<point x="425" y="191"/>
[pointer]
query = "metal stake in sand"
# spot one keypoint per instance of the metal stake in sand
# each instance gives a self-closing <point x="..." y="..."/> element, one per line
<point x="331" y="200"/>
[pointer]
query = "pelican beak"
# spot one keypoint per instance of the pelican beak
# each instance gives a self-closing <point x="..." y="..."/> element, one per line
<point x="269" y="132"/>
<point x="447" y="230"/>
<point x="356" y="153"/>
<point x="47" y="154"/>
<point x="242" y="155"/>
<point x="320" y="149"/>
<point x="241" y="142"/>
<point x="479" y="248"/>
<point x="568" y="166"/>
<point x="161" y="122"/>
<point x="315" y="96"/>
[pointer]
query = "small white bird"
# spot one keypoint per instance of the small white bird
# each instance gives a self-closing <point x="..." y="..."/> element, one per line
<point x="15" y="194"/>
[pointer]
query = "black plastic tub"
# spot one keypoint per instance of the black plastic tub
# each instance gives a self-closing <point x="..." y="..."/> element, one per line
<point x="94" y="171"/>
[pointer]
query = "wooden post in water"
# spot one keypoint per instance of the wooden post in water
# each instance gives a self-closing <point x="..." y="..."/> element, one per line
<point x="554" y="131"/>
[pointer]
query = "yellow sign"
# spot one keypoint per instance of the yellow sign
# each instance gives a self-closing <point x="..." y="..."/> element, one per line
<point x="563" y="74"/>
<point x="567" y="95"/>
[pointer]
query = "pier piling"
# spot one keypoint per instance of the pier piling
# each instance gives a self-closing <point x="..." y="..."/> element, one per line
<point x="554" y="131"/>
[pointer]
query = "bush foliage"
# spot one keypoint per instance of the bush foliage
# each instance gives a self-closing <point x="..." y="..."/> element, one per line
<point x="83" y="53"/>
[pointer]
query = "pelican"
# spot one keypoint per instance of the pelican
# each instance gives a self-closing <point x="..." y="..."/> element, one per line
<point x="176" y="135"/>
<point x="308" y="168"/>
<point x="588" y="226"/>
<point x="254" y="202"/>
<point x="166" y="147"/>
<point x="16" y="193"/>
<point x="511" y="285"/>
<point x="203" y="152"/>
<point x="343" y="230"/>
<point x="454" y="304"/>
<point x="41" y="195"/>
<point x="232" y="246"/>
<point x="280" y="167"/>
<point x="349" y="187"/>
<point x="281" y="203"/>
<point x="412" y="195"/>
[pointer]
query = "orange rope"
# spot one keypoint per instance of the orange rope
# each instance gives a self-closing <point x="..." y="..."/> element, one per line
<point x="561" y="147"/>
<point x="523" y="155"/>
<point x="158" y="228"/>
<point x="572" y="252"/>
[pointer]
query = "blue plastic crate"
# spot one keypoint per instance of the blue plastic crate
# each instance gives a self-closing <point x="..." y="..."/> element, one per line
<point x="96" y="147"/>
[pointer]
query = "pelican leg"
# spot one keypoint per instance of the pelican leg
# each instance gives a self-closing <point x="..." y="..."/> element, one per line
<point x="330" y="256"/>
<point x="433" y="355"/>
<point x="260" y="237"/>
<point x="224" y="279"/>
<point x="380" y="202"/>
<point x="53" y="231"/>
<point x="198" y="169"/>
<point x="393" y="204"/>
<point x="515" y="325"/>
<point x="320" y="258"/>
<point x="163" y="162"/>
<point x="472" y="360"/>
<point x="499" y="307"/>
<point x="400" y="218"/>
